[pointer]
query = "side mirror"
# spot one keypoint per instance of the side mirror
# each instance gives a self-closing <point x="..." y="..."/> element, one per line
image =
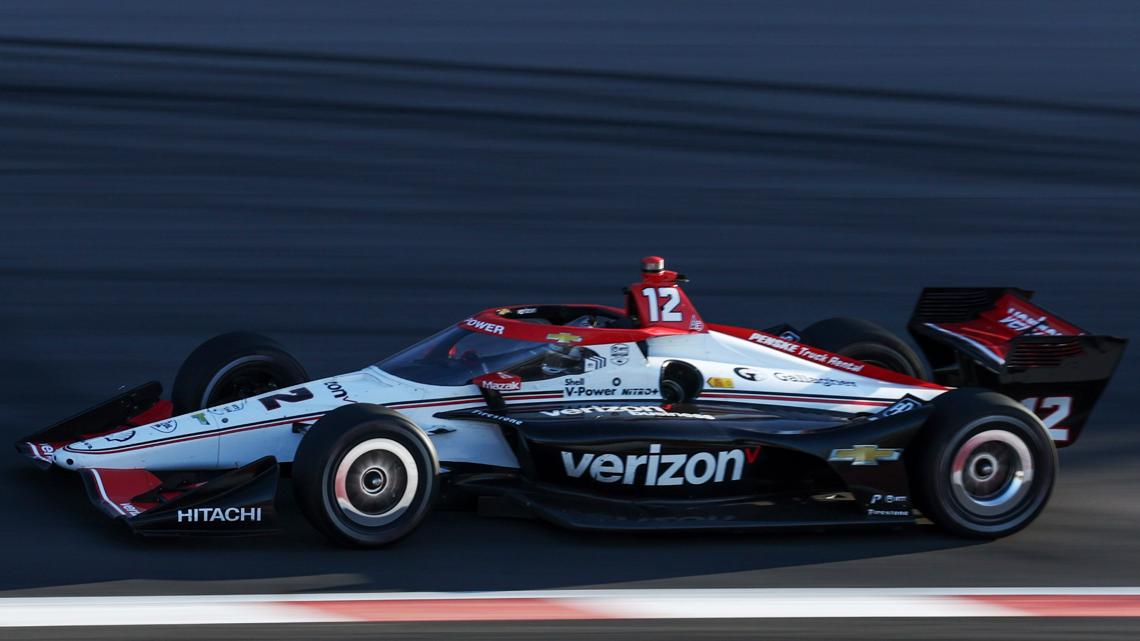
<point x="494" y="384"/>
<point x="680" y="382"/>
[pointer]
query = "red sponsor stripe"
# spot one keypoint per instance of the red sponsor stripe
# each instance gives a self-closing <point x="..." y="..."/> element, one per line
<point x="308" y="418"/>
<point x="412" y="405"/>
<point x="490" y="609"/>
<point x="800" y="399"/>
<point x="867" y="370"/>
<point x="527" y="396"/>
<point x="195" y="437"/>
<point x="1065" y="605"/>
<point x="489" y="322"/>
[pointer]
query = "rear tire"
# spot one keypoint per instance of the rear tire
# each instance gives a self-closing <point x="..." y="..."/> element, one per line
<point x="365" y="476"/>
<point x="231" y="367"/>
<point x="865" y="341"/>
<point x="983" y="466"/>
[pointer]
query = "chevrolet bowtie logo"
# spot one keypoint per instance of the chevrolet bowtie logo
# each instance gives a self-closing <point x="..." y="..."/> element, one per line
<point x="564" y="337"/>
<point x="865" y="455"/>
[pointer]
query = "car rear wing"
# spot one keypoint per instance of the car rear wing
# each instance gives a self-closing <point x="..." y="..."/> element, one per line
<point x="994" y="337"/>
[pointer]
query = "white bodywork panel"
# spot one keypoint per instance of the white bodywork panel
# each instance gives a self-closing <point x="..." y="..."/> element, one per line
<point x="273" y="424"/>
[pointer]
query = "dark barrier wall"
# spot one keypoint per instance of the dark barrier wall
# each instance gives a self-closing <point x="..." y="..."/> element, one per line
<point x="350" y="177"/>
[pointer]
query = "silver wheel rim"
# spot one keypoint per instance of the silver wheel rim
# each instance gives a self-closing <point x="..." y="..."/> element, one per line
<point x="991" y="473"/>
<point x="376" y="481"/>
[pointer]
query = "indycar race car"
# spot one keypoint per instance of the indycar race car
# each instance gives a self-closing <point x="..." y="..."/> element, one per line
<point x="642" y="417"/>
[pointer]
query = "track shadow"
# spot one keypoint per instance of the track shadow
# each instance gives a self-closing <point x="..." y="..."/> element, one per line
<point x="452" y="550"/>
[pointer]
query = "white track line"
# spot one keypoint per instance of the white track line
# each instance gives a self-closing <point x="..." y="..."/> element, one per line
<point x="570" y="604"/>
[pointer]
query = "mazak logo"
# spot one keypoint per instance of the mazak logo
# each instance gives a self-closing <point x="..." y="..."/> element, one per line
<point x="484" y="326"/>
<point x="220" y="515"/>
<point x="658" y="470"/>
<point x="499" y="382"/>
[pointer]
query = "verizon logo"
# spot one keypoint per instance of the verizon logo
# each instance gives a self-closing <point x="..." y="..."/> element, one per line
<point x="657" y="469"/>
<point x="631" y="410"/>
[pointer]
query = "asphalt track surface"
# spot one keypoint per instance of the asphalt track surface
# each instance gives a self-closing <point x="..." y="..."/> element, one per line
<point x="350" y="181"/>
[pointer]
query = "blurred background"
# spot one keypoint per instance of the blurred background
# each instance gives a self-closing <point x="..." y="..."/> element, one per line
<point x="349" y="177"/>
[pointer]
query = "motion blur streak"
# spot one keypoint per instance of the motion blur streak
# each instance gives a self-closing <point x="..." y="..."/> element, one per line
<point x="569" y="605"/>
<point x="349" y="177"/>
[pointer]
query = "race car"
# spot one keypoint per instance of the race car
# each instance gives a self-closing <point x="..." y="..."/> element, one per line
<point x="640" y="417"/>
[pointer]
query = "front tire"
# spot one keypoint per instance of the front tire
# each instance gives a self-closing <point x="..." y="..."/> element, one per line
<point x="984" y="466"/>
<point x="231" y="367"/>
<point x="365" y="476"/>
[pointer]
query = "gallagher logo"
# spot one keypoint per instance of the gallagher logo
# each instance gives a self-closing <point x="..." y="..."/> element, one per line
<point x="657" y="469"/>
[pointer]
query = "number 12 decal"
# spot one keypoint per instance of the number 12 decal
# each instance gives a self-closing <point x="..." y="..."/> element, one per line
<point x="1061" y="406"/>
<point x="663" y="303"/>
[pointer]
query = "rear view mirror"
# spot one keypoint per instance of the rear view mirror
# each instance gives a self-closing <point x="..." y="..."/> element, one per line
<point x="494" y="384"/>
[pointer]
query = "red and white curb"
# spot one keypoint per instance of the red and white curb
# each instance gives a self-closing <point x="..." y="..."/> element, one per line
<point x="571" y="605"/>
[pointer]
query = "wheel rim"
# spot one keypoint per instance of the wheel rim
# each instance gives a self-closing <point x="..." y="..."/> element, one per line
<point x="992" y="472"/>
<point x="375" y="482"/>
<point x="243" y="378"/>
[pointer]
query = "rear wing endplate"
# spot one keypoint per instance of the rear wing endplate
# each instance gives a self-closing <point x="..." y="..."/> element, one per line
<point x="995" y="337"/>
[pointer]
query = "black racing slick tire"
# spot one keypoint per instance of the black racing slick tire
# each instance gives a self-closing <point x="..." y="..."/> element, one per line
<point x="365" y="476"/>
<point x="865" y="341"/>
<point x="231" y="367"/>
<point x="983" y="466"/>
